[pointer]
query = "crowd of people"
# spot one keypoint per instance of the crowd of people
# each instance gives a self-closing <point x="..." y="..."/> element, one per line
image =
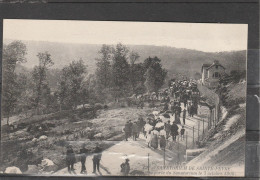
<point x="170" y="119"/>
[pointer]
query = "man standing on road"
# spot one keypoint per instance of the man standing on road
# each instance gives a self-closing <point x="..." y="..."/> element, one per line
<point x="184" y="115"/>
<point x="83" y="154"/>
<point x="96" y="158"/>
<point x="70" y="158"/>
<point x="127" y="130"/>
<point x="125" y="167"/>
<point x="130" y="126"/>
<point x="135" y="131"/>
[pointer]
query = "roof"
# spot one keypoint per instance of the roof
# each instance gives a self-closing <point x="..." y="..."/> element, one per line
<point x="214" y="64"/>
<point x="205" y="65"/>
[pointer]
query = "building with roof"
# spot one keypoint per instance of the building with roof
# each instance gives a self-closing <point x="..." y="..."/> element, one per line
<point x="211" y="73"/>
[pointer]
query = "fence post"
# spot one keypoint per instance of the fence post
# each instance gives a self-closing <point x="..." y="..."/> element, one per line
<point x="186" y="139"/>
<point x="193" y="137"/>
<point x="164" y="157"/>
<point x="148" y="164"/>
<point x="208" y="123"/>
<point x="178" y="149"/>
<point x="198" y="131"/>
<point x="203" y="128"/>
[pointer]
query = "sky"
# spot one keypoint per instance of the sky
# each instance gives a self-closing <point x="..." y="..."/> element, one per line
<point x="207" y="37"/>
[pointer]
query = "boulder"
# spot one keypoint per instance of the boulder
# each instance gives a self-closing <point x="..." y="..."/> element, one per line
<point x="13" y="170"/>
<point x="194" y="152"/>
<point x="43" y="137"/>
<point x="99" y="135"/>
<point x="51" y="168"/>
<point x="32" y="169"/>
<point x="46" y="162"/>
<point x="47" y="165"/>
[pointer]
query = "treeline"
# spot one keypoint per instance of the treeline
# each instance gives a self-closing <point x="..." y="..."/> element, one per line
<point x="119" y="74"/>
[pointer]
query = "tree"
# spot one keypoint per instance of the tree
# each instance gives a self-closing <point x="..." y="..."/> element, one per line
<point x="134" y="56"/>
<point x="155" y="75"/>
<point x="71" y="85"/>
<point x="39" y="72"/>
<point x="133" y="69"/>
<point x="103" y="71"/>
<point x="13" y="53"/>
<point x="120" y="71"/>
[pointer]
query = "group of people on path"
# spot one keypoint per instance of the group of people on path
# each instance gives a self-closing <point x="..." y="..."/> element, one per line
<point x="97" y="154"/>
<point x="134" y="129"/>
<point x="83" y="153"/>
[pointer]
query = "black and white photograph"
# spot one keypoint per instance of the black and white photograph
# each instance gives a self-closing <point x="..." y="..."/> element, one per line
<point x="123" y="98"/>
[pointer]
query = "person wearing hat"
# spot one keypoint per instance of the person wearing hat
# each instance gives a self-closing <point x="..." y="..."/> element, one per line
<point x="83" y="155"/>
<point x="127" y="130"/>
<point x="167" y="128"/>
<point x="96" y="158"/>
<point x="70" y="158"/>
<point x="135" y="131"/>
<point x="130" y="126"/>
<point x="125" y="167"/>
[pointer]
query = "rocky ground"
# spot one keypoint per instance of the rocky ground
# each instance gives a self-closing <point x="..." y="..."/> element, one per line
<point x="25" y="147"/>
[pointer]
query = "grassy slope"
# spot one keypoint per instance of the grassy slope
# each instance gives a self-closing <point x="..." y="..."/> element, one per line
<point x="226" y="143"/>
<point x="64" y="130"/>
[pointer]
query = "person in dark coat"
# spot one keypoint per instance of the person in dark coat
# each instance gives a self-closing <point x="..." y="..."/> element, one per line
<point x="184" y="115"/>
<point x="177" y="119"/>
<point x="130" y="126"/>
<point x="70" y="158"/>
<point x="167" y="127"/>
<point x="135" y="131"/>
<point x="96" y="158"/>
<point x="174" y="131"/>
<point x="165" y="107"/>
<point x="83" y="155"/>
<point x="162" y="142"/>
<point x="125" y="168"/>
<point x="189" y="109"/>
<point x="140" y="124"/>
<point x="127" y="130"/>
<point x="182" y="133"/>
<point x="154" y="141"/>
<point x="179" y="110"/>
<point x="192" y="110"/>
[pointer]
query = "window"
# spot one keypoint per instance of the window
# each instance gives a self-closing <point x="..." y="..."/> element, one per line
<point x="216" y="75"/>
<point x="216" y="66"/>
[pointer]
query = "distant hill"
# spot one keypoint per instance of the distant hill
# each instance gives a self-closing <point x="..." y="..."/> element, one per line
<point x="184" y="61"/>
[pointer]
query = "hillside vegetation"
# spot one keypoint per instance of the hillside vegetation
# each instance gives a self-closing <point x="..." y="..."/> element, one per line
<point x="188" y="61"/>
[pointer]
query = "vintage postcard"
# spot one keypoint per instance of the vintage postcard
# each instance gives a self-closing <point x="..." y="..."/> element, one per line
<point x="118" y="98"/>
